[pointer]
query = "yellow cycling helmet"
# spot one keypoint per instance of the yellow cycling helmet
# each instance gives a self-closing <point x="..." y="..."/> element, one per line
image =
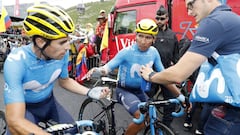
<point x="147" y="26"/>
<point x="48" y="21"/>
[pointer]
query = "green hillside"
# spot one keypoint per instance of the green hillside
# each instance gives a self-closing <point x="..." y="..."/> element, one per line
<point x="91" y="12"/>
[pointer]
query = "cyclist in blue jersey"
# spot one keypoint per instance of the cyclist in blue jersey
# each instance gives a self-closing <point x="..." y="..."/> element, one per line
<point x="31" y="71"/>
<point x="218" y="31"/>
<point x="129" y="61"/>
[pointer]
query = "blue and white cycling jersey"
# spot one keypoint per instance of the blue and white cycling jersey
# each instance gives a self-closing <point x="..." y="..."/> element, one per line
<point x="29" y="79"/>
<point x="130" y="60"/>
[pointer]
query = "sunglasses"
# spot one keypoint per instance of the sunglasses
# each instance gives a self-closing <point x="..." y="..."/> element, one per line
<point x="161" y="18"/>
<point x="190" y="5"/>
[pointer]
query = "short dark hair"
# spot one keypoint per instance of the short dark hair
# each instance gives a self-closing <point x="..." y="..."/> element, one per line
<point x="162" y="11"/>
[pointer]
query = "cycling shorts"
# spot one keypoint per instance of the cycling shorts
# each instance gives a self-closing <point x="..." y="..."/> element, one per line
<point x="130" y="99"/>
<point x="49" y="109"/>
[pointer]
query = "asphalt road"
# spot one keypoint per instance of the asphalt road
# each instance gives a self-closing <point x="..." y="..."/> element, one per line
<point x="72" y="103"/>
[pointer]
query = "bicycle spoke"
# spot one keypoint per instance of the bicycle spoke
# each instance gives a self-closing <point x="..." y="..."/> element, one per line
<point x="96" y="111"/>
<point x="3" y="124"/>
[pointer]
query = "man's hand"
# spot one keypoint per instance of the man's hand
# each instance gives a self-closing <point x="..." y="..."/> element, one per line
<point x="98" y="92"/>
<point x="145" y="71"/>
<point x="94" y="73"/>
<point x="185" y="102"/>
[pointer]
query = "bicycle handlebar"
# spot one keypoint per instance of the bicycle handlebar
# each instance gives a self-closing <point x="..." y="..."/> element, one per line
<point x="97" y="75"/>
<point x="144" y="106"/>
<point x="81" y="127"/>
<point x="108" y="79"/>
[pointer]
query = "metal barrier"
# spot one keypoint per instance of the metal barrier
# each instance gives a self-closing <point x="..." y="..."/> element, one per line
<point x="93" y="61"/>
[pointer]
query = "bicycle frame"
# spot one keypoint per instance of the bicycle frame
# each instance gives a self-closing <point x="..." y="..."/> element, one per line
<point x="112" y="103"/>
<point x="109" y="108"/>
<point x="151" y="108"/>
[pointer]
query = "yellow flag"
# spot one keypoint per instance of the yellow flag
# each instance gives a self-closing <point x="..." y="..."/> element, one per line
<point x="5" y="20"/>
<point x="104" y="43"/>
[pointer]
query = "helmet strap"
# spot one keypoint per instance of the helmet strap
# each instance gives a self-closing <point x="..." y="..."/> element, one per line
<point x="43" y="48"/>
<point x="48" y="41"/>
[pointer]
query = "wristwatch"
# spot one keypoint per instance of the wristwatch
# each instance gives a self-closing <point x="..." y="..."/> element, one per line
<point x="150" y="75"/>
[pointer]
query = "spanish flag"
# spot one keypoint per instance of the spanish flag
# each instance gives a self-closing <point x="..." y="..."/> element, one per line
<point x="104" y="45"/>
<point x="81" y="65"/>
<point x="5" y="21"/>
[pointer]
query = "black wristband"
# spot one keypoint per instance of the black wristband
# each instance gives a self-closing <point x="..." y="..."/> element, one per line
<point x="150" y="75"/>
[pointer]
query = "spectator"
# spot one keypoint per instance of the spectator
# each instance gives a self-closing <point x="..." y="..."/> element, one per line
<point x="99" y="32"/>
<point x="89" y="32"/>
<point x="103" y="13"/>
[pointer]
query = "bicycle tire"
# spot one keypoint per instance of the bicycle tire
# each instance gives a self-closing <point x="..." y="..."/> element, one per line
<point x="160" y="126"/>
<point x="92" y="109"/>
<point x="3" y="123"/>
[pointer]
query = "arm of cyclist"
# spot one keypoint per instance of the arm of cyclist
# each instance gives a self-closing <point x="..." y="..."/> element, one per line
<point x="174" y="89"/>
<point x="176" y="73"/>
<point x="73" y="86"/>
<point x="17" y="123"/>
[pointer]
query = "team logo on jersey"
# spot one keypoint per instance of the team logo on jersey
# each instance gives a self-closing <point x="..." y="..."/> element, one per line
<point x="201" y="39"/>
<point x="16" y="56"/>
<point x="6" y="88"/>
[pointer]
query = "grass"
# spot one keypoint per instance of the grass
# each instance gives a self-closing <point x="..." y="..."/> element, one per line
<point x="91" y="12"/>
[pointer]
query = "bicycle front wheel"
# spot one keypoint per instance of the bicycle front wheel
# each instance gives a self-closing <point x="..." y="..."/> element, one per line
<point x="3" y="124"/>
<point x="97" y="111"/>
<point x="160" y="129"/>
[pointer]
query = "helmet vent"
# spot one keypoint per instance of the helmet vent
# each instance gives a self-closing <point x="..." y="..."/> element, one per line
<point x="67" y="24"/>
<point x="39" y="16"/>
<point x="155" y="30"/>
<point x="49" y="20"/>
<point x="26" y="27"/>
<point x="63" y="20"/>
<point x="145" y="29"/>
<point x="41" y="26"/>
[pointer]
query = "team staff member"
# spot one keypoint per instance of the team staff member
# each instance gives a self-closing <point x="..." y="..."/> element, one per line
<point x="31" y="71"/>
<point x="218" y="31"/>
<point x="128" y="61"/>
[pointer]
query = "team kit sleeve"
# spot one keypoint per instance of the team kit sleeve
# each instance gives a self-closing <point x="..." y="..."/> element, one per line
<point x="207" y="37"/>
<point x="158" y="66"/>
<point x="64" y="73"/>
<point x="117" y="60"/>
<point x="13" y="76"/>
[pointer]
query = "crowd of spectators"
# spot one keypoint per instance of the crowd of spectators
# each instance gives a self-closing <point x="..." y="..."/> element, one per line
<point x="11" y="41"/>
